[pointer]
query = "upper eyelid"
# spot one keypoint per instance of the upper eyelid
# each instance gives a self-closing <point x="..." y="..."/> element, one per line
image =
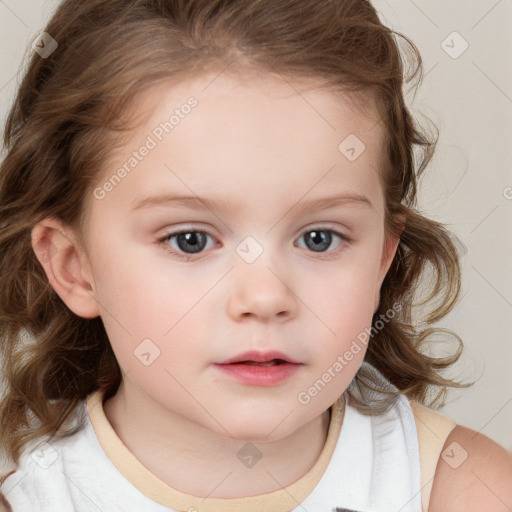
<point x="319" y="226"/>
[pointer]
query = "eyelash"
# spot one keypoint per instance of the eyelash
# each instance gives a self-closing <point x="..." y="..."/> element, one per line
<point x="163" y="241"/>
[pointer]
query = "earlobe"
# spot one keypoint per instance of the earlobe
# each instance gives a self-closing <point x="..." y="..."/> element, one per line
<point x="66" y="266"/>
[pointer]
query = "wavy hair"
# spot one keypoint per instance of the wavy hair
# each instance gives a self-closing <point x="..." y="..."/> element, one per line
<point x="70" y="108"/>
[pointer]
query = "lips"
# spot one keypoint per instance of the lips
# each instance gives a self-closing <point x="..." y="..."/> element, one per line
<point x="256" y="358"/>
<point x="264" y="369"/>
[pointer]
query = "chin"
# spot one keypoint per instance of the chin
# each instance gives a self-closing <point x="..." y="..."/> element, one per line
<point x="250" y="435"/>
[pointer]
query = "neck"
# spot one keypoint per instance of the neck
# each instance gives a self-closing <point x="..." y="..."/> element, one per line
<point x="178" y="451"/>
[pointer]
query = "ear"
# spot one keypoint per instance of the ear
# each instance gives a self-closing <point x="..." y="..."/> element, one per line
<point x="66" y="265"/>
<point x="389" y="249"/>
<point x="388" y="253"/>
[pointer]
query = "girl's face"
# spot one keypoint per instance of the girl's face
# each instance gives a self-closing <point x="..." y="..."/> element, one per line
<point x="277" y="195"/>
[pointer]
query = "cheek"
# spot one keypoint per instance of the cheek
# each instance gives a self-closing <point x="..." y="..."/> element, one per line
<point x="147" y="309"/>
<point x="343" y="303"/>
<point x="344" y="293"/>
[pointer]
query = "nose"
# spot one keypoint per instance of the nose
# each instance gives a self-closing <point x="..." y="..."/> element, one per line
<point x="261" y="292"/>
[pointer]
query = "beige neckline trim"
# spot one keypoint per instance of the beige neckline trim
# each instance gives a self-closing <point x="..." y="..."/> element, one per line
<point x="155" y="489"/>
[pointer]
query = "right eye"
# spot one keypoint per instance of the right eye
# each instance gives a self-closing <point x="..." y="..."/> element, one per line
<point x="185" y="242"/>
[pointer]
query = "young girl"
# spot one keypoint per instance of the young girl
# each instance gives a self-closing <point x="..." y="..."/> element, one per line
<point x="210" y="257"/>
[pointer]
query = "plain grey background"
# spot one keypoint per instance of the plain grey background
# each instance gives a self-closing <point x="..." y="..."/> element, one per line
<point x="467" y="92"/>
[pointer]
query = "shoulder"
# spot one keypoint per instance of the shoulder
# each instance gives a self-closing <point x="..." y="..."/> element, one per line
<point x="43" y="470"/>
<point x="474" y="473"/>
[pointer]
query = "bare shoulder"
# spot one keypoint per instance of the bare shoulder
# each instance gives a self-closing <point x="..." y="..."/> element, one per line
<point x="474" y="473"/>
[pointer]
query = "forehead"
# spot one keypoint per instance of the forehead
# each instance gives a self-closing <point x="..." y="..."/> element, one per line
<point x="250" y="133"/>
<point x="289" y="98"/>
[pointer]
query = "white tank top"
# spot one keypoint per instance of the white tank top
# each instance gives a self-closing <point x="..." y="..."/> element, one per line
<point x="368" y="464"/>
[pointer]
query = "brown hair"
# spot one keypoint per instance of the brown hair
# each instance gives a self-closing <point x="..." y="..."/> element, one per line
<point x="72" y="102"/>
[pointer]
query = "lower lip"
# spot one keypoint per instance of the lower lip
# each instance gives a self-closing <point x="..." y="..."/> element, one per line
<point x="260" y="375"/>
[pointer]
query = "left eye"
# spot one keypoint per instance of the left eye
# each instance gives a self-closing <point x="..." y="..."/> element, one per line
<point x="318" y="240"/>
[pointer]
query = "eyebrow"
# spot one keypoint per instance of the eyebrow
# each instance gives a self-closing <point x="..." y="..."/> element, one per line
<point x="203" y="203"/>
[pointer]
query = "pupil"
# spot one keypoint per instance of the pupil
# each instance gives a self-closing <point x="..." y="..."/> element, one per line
<point x="322" y="238"/>
<point x="191" y="242"/>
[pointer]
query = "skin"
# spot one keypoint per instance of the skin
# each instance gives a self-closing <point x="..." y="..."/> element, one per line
<point x="266" y="147"/>
<point x="482" y="482"/>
